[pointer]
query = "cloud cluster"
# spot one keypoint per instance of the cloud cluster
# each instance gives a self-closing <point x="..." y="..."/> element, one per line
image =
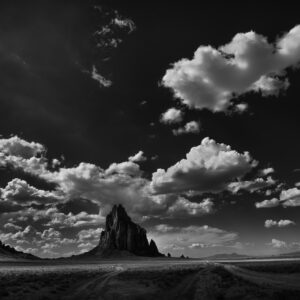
<point x="209" y="167"/>
<point x="190" y="127"/>
<point x="139" y="157"/>
<point x="50" y="242"/>
<point x="119" y="183"/>
<point x="289" y="197"/>
<point x="183" y="207"/>
<point x="18" y="191"/>
<point x="283" y="246"/>
<point x="85" y="193"/>
<point x="251" y="185"/>
<point x="213" y="78"/>
<point x="278" y="244"/>
<point x="268" y="203"/>
<point x="172" y="116"/>
<point x="15" y="146"/>
<point x="280" y="223"/>
<point x="21" y="154"/>
<point x="111" y="34"/>
<point x="170" y="238"/>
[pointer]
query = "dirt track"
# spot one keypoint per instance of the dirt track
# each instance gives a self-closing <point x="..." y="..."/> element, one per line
<point x="285" y="281"/>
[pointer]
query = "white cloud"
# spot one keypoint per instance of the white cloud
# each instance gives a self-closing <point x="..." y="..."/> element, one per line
<point x="268" y="203"/>
<point x="251" y="185"/>
<point x="90" y="235"/>
<point x="214" y="77"/>
<point x="15" y="146"/>
<point x="184" y="207"/>
<point x="190" y="127"/>
<point x="139" y="157"/>
<point x="168" y="237"/>
<point x="124" y="23"/>
<point x="20" y="192"/>
<point x="278" y="244"/>
<point x="11" y="226"/>
<point x="281" y="223"/>
<point x="50" y="234"/>
<point x="20" y="154"/>
<point x="240" y="108"/>
<point x="290" y="197"/>
<point x="208" y="167"/>
<point x="267" y="171"/>
<point x="103" y="82"/>
<point x="172" y="116"/>
<point x="126" y="168"/>
<point x="196" y="246"/>
<point x="61" y="220"/>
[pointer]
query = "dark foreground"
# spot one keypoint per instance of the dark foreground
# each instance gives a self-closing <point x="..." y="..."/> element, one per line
<point x="151" y="279"/>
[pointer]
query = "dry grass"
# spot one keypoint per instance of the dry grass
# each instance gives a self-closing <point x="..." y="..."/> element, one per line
<point x="146" y="280"/>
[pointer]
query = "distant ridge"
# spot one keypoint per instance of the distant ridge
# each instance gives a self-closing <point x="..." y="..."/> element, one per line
<point x="122" y="237"/>
<point x="9" y="253"/>
<point x="227" y="256"/>
<point x="295" y="254"/>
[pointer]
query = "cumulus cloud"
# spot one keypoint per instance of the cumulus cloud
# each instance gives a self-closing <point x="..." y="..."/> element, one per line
<point x="196" y="246"/>
<point x="281" y="223"/>
<point x="172" y="116"/>
<point x="184" y="207"/>
<point x="21" y="154"/>
<point x="36" y="240"/>
<point x="126" y="168"/>
<point x="190" y="127"/>
<point x="267" y="171"/>
<point x="15" y="146"/>
<point x="290" y="197"/>
<point x="268" y="203"/>
<point x="139" y="157"/>
<point x="214" y="77"/>
<point x="209" y="167"/>
<point x="12" y="227"/>
<point x="278" y="244"/>
<point x="119" y="183"/>
<point x="251" y="185"/>
<point x="18" y="191"/>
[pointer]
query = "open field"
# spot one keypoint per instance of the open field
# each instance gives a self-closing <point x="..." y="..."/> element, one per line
<point x="150" y="279"/>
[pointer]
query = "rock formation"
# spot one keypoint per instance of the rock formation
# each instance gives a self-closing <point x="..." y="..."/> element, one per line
<point x="7" y="253"/>
<point x="122" y="236"/>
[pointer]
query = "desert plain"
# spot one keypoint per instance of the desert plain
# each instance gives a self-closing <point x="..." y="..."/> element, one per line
<point x="159" y="278"/>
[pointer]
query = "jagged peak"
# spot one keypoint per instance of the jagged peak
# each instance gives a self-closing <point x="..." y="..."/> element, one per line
<point x="122" y="234"/>
<point x="119" y="212"/>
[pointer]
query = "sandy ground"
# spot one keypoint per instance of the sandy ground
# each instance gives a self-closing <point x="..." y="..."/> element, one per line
<point x="150" y="279"/>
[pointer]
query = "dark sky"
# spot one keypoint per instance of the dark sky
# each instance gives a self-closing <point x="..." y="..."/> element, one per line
<point x="48" y="50"/>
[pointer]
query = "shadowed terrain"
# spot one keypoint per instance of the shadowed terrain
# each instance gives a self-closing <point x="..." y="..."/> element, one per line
<point x="150" y="279"/>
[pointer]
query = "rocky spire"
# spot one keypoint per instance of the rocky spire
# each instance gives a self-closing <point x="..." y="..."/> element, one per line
<point x="123" y="235"/>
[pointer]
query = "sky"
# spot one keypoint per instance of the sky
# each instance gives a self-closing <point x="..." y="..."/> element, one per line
<point x="186" y="114"/>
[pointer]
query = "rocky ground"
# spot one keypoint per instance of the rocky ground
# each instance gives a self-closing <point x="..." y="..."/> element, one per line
<point x="150" y="279"/>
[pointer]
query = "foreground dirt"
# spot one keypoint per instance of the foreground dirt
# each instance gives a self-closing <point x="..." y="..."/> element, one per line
<point x="150" y="280"/>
